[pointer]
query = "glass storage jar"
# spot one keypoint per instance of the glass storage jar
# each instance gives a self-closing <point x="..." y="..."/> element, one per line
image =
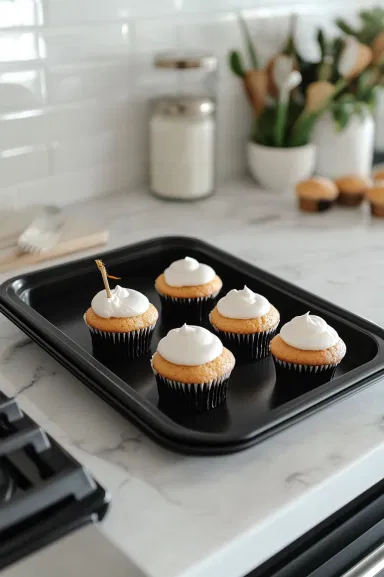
<point x="183" y="128"/>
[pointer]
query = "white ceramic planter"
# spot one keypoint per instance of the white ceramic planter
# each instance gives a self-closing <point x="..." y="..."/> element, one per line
<point x="280" y="168"/>
<point x="347" y="152"/>
<point x="379" y="120"/>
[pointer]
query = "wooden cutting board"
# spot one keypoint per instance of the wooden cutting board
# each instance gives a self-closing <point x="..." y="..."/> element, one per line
<point x="76" y="235"/>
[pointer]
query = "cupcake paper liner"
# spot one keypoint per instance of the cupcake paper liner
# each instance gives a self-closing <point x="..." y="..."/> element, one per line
<point x="190" y="311"/>
<point x="350" y="199"/>
<point x="247" y="347"/>
<point x="325" y="205"/>
<point x="131" y="345"/>
<point x="296" y="374"/>
<point x="314" y="205"/>
<point x="194" y="397"/>
<point x="377" y="210"/>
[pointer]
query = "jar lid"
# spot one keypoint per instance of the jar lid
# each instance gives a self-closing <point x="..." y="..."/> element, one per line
<point x="195" y="106"/>
<point x="185" y="60"/>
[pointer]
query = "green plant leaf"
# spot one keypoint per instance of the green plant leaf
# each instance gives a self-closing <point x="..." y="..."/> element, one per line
<point x="346" y="28"/>
<point x="337" y="48"/>
<point x="281" y="123"/>
<point x="236" y="63"/>
<point x="303" y="128"/>
<point x="248" y="42"/>
<point x="321" y="42"/>
<point x="341" y="114"/>
<point x="372" y="101"/>
<point x="263" y="129"/>
<point x="369" y="17"/>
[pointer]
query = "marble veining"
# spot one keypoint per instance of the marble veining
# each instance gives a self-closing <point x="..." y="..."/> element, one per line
<point x="176" y="515"/>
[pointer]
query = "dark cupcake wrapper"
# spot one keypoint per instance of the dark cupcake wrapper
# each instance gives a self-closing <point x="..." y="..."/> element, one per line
<point x="187" y="310"/>
<point x="348" y="199"/>
<point x="189" y="397"/>
<point x="131" y="345"/>
<point x="377" y="210"/>
<point x="315" y="205"/>
<point x="298" y="375"/>
<point x="247" y="347"/>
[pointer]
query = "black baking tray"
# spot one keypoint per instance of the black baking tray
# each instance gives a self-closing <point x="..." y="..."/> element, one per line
<point x="48" y="305"/>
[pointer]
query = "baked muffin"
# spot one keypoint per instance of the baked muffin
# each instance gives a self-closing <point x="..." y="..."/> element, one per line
<point x="192" y="369"/>
<point x="307" y="350"/>
<point x="378" y="175"/>
<point x="187" y="291"/>
<point x="375" y="197"/>
<point x="316" y="194"/>
<point x="245" y="322"/>
<point x="352" y="189"/>
<point x="121" y="326"/>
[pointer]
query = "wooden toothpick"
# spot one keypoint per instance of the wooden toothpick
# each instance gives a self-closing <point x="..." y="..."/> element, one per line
<point x="101" y="267"/>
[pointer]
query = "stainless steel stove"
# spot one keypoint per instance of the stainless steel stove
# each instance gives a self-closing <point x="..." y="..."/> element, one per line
<point x="350" y="543"/>
<point x="44" y="493"/>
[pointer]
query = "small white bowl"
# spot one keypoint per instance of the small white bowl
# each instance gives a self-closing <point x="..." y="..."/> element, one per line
<point x="280" y="168"/>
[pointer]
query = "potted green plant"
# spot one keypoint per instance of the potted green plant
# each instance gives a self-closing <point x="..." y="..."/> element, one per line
<point x="344" y="135"/>
<point x="272" y="93"/>
<point x="288" y="97"/>
<point x="371" y="33"/>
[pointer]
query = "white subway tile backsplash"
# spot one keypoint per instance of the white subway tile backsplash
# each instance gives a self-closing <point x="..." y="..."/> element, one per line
<point x="68" y="12"/>
<point x="70" y="155"/>
<point x="17" y="46"/>
<point x="62" y="189"/>
<point x="64" y="12"/>
<point x="14" y="13"/>
<point x="76" y="77"/>
<point x="85" y="44"/>
<point x="220" y="30"/>
<point x="90" y="81"/>
<point x="23" y="165"/>
<point x="152" y="35"/>
<point x="21" y="90"/>
<point x="85" y="119"/>
<point x="25" y="131"/>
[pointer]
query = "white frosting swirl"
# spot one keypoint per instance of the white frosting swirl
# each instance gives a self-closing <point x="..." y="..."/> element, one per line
<point x="123" y="303"/>
<point x="190" y="346"/>
<point x="309" y="333"/>
<point x="188" y="272"/>
<point x="243" y="304"/>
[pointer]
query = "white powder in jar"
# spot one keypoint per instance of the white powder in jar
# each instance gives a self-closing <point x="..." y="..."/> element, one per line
<point x="182" y="156"/>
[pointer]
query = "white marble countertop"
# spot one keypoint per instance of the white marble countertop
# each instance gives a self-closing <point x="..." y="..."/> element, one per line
<point x="176" y="515"/>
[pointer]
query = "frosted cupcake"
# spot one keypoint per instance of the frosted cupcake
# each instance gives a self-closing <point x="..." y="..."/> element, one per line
<point x="121" y="322"/>
<point x="192" y="369"/>
<point x="188" y="290"/>
<point x="245" y="322"/>
<point x="307" y="350"/>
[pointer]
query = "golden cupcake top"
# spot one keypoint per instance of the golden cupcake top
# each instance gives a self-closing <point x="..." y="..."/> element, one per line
<point x="378" y="175"/>
<point x="352" y="184"/>
<point x="260" y="324"/>
<point x="284" y="352"/>
<point x="121" y="324"/>
<point x="317" y="188"/>
<point x="188" y="278"/>
<point x="308" y="339"/>
<point x="192" y="354"/>
<point x="375" y="194"/>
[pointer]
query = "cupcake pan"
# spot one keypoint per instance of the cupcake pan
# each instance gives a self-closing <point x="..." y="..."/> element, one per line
<point x="48" y="306"/>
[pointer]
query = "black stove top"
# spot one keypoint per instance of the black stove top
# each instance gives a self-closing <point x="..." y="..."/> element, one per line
<point x="44" y="492"/>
